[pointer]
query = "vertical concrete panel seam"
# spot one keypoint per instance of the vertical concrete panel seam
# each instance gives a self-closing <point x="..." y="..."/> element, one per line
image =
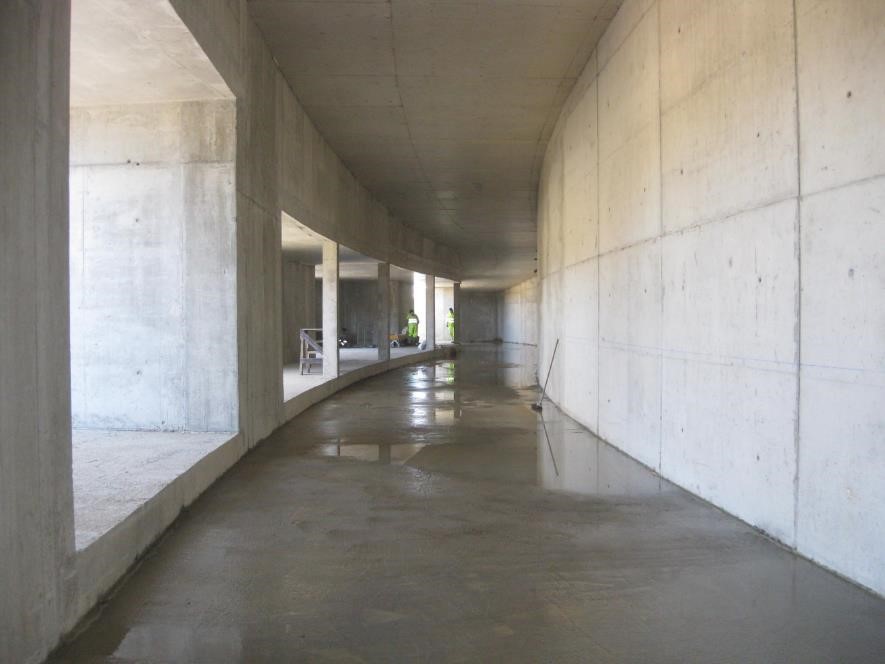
<point x="182" y="281"/>
<point x="661" y="261"/>
<point x="798" y="329"/>
<point x="596" y="252"/>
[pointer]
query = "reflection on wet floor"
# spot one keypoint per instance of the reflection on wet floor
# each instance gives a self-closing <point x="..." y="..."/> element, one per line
<point x="479" y="426"/>
<point x="430" y="515"/>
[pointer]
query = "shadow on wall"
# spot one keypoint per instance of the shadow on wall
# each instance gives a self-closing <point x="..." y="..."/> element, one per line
<point x="479" y="316"/>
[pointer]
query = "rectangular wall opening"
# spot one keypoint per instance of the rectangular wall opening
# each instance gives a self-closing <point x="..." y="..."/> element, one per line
<point x="303" y="342"/>
<point x="445" y="311"/>
<point x="152" y="257"/>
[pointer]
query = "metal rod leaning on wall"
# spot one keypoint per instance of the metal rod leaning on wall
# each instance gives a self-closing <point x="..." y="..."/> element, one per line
<point x="537" y="406"/>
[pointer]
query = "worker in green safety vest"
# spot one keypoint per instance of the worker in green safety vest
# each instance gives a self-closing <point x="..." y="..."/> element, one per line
<point x="412" y="324"/>
<point x="450" y="323"/>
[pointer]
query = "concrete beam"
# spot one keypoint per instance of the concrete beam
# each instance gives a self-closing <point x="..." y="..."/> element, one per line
<point x="330" y="309"/>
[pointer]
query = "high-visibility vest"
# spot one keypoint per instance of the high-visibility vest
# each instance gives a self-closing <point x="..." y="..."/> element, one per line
<point x="413" y="320"/>
<point x="450" y="318"/>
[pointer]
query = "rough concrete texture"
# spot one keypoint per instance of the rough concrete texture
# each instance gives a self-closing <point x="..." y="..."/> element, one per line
<point x="402" y="298"/>
<point x="430" y="515"/>
<point x="116" y="472"/>
<point x="518" y="313"/>
<point x="153" y="267"/>
<point x="382" y="309"/>
<point x="717" y="297"/>
<point x="358" y="311"/>
<point x="299" y="306"/>
<point x="479" y="316"/>
<point x="36" y="502"/>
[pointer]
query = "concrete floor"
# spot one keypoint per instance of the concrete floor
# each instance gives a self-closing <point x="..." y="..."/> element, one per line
<point x="428" y="514"/>
<point x="349" y="359"/>
<point x="116" y="472"/>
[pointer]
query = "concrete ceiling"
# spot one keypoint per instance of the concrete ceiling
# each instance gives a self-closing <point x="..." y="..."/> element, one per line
<point x="137" y="52"/>
<point x="442" y="108"/>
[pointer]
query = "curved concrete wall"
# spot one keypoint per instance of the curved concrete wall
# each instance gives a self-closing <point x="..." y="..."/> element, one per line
<point x="711" y="233"/>
<point x="284" y="164"/>
<point x="281" y="163"/>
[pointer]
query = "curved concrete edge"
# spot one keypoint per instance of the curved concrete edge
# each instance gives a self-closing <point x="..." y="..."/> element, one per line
<point x="104" y="562"/>
<point x="298" y="404"/>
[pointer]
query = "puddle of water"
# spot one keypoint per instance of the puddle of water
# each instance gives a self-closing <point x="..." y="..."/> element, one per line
<point x="465" y="418"/>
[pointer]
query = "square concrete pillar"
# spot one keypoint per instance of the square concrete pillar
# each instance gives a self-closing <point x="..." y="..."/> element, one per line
<point x="330" y="309"/>
<point x="456" y="305"/>
<point x="430" y="311"/>
<point x="382" y="319"/>
<point x="37" y="553"/>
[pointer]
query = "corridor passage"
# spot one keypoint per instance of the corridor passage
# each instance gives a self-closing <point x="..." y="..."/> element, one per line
<point x="430" y="515"/>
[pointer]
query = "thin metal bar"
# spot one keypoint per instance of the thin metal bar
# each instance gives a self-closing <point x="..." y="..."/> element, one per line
<point x="549" y="369"/>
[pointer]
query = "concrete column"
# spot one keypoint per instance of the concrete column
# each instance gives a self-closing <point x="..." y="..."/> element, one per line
<point x="456" y="305"/>
<point x="382" y="320"/>
<point x="36" y="499"/>
<point x="430" y="311"/>
<point x="330" y="309"/>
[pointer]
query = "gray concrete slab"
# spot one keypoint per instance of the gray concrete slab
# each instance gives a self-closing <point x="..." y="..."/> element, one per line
<point x="117" y="472"/>
<point x="429" y="514"/>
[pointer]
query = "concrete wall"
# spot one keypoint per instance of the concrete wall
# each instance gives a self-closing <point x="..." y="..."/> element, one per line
<point x="518" y="313"/>
<point x="358" y="310"/>
<point x="479" y="315"/>
<point x="299" y="306"/>
<point x="282" y="162"/>
<point x="153" y="267"/>
<point x="36" y="500"/>
<point x="401" y="300"/>
<point x="711" y="234"/>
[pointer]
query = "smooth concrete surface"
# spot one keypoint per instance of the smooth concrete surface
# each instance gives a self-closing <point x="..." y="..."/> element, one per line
<point x="282" y="162"/>
<point x="710" y="232"/>
<point x="130" y="486"/>
<point x="518" y="313"/>
<point x="430" y="515"/>
<point x="148" y="67"/>
<point x="153" y="267"/>
<point x="442" y="108"/>
<point x="36" y="496"/>
<point x="350" y="359"/>
<point x="331" y="285"/>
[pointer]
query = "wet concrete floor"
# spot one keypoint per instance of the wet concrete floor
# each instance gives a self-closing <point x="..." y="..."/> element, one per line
<point x="430" y="515"/>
